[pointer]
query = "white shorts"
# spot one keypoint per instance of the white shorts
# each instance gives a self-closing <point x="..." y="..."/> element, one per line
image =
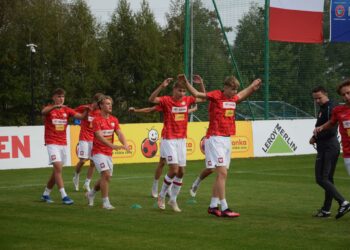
<point x="347" y="165"/>
<point x="218" y="151"/>
<point x="174" y="151"/>
<point x="57" y="153"/>
<point x="84" y="149"/>
<point x="103" y="163"/>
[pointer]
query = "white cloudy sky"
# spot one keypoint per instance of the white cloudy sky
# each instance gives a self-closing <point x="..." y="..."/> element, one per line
<point x="103" y="9"/>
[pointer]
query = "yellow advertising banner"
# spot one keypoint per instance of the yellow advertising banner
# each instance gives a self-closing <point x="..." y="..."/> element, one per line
<point x="143" y="139"/>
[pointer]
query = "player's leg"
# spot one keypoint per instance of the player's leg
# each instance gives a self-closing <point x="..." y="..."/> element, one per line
<point x="345" y="206"/>
<point x="195" y="185"/>
<point x="49" y="186"/>
<point x="84" y="151"/>
<point x="89" y="175"/>
<point x="157" y="174"/>
<point x="104" y="184"/>
<point x="215" y="201"/>
<point x="168" y="180"/>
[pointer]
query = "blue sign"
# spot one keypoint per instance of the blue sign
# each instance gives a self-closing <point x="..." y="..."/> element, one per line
<point x="340" y="21"/>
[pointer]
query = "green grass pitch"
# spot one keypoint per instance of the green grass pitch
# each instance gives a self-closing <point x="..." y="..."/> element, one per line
<point x="275" y="196"/>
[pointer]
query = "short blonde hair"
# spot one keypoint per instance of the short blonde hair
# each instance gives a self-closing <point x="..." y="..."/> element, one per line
<point x="232" y="82"/>
<point x="102" y="98"/>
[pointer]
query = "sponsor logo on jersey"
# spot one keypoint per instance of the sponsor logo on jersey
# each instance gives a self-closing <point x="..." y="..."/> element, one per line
<point x="179" y="109"/>
<point x="346" y="124"/>
<point x="229" y="105"/>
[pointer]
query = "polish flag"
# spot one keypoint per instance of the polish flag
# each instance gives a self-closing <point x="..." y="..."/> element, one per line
<point x="296" y="21"/>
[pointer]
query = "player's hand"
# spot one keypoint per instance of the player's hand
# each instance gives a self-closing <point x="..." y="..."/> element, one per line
<point x="197" y="79"/>
<point x="317" y="130"/>
<point x="181" y="78"/>
<point x="312" y="140"/>
<point x="256" y="84"/>
<point x="166" y="82"/>
<point x="131" y="109"/>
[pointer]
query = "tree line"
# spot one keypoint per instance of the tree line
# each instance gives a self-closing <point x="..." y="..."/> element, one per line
<point x="128" y="56"/>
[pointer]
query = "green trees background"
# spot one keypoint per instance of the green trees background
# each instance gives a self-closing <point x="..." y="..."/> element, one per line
<point x="131" y="54"/>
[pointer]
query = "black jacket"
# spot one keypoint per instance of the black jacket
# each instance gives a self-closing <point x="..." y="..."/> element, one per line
<point x="327" y="138"/>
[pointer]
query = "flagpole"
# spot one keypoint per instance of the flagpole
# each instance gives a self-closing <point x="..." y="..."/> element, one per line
<point x="266" y="62"/>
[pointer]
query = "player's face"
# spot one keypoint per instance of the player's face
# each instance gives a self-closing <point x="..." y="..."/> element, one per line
<point x="106" y="106"/>
<point x="58" y="99"/>
<point x="229" y="92"/>
<point x="178" y="93"/>
<point x="320" y="98"/>
<point x="345" y="93"/>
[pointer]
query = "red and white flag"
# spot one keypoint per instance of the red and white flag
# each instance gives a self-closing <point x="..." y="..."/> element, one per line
<point x="296" y="21"/>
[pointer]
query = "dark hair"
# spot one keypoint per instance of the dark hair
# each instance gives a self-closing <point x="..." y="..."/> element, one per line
<point x="59" y="91"/>
<point x="343" y="84"/>
<point x="319" y="89"/>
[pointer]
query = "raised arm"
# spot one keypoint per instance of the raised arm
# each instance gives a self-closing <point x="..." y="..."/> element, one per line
<point x="198" y="80"/>
<point x="190" y="88"/>
<point x="154" y="96"/>
<point x="248" y="91"/>
<point x="83" y="115"/>
<point x="193" y="109"/>
<point x="142" y="110"/>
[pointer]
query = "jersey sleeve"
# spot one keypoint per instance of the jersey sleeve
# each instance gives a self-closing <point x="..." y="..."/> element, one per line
<point x="80" y="109"/>
<point x="96" y="125"/>
<point x="236" y="98"/>
<point x="212" y="95"/>
<point x="70" y="112"/>
<point x="334" y="116"/>
<point x="158" y="108"/>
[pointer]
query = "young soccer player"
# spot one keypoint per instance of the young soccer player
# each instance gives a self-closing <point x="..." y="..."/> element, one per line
<point x="159" y="169"/>
<point x="86" y="138"/>
<point x="218" y="139"/>
<point x="174" y="133"/>
<point x="341" y="115"/>
<point x="56" y="121"/>
<point x="104" y="127"/>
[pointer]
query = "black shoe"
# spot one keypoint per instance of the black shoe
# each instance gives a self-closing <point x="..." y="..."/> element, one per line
<point x="322" y="214"/>
<point x="343" y="209"/>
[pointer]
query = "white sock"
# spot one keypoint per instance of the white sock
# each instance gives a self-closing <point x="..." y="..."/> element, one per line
<point x="105" y="201"/>
<point x="166" y="183"/>
<point x="155" y="185"/>
<point x="76" y="175"/>
<point x="87" y="181"/>
<point x="223" y="204"/>
<point x="176" y="187"/>
<point x="47" y="191"/>
<point x="63" y="193"/>
<point x="214" y="202"/>
<point x="197" y="182"/>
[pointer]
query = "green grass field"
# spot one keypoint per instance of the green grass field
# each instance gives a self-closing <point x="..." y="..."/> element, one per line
<point x="275" y="196"/>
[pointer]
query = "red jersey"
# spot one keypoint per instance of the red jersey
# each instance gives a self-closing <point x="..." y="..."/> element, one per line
<point x="86" y="132"/>
<point x="56" y="122"/>
<point x="221" y="114"/>
<point x="341" y="114"/>
<point x="108" y="126"/>
<point x="175" y="115"/>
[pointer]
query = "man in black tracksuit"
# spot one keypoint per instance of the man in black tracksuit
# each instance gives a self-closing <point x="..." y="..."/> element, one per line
<point x="328" y="150"/>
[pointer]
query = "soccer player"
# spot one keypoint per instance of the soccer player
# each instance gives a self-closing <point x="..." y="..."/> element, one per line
<point x="341" y="116"/>
<point x="86" y="138"/>
<point x="56" y="121"/>
<point x="328" y="150"/>
<point x="104" y="127"/>
<point x="159" y="169"/>
<point x="218" y="138"/>
<point x="174" y="133"/>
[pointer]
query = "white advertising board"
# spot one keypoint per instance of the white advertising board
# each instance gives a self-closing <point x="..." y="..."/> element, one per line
<point x="283" y="137"/>
<point x="23" y="147"/>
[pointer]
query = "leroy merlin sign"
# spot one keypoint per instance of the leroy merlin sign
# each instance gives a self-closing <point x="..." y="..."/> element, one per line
<point x="279" y="142"/>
